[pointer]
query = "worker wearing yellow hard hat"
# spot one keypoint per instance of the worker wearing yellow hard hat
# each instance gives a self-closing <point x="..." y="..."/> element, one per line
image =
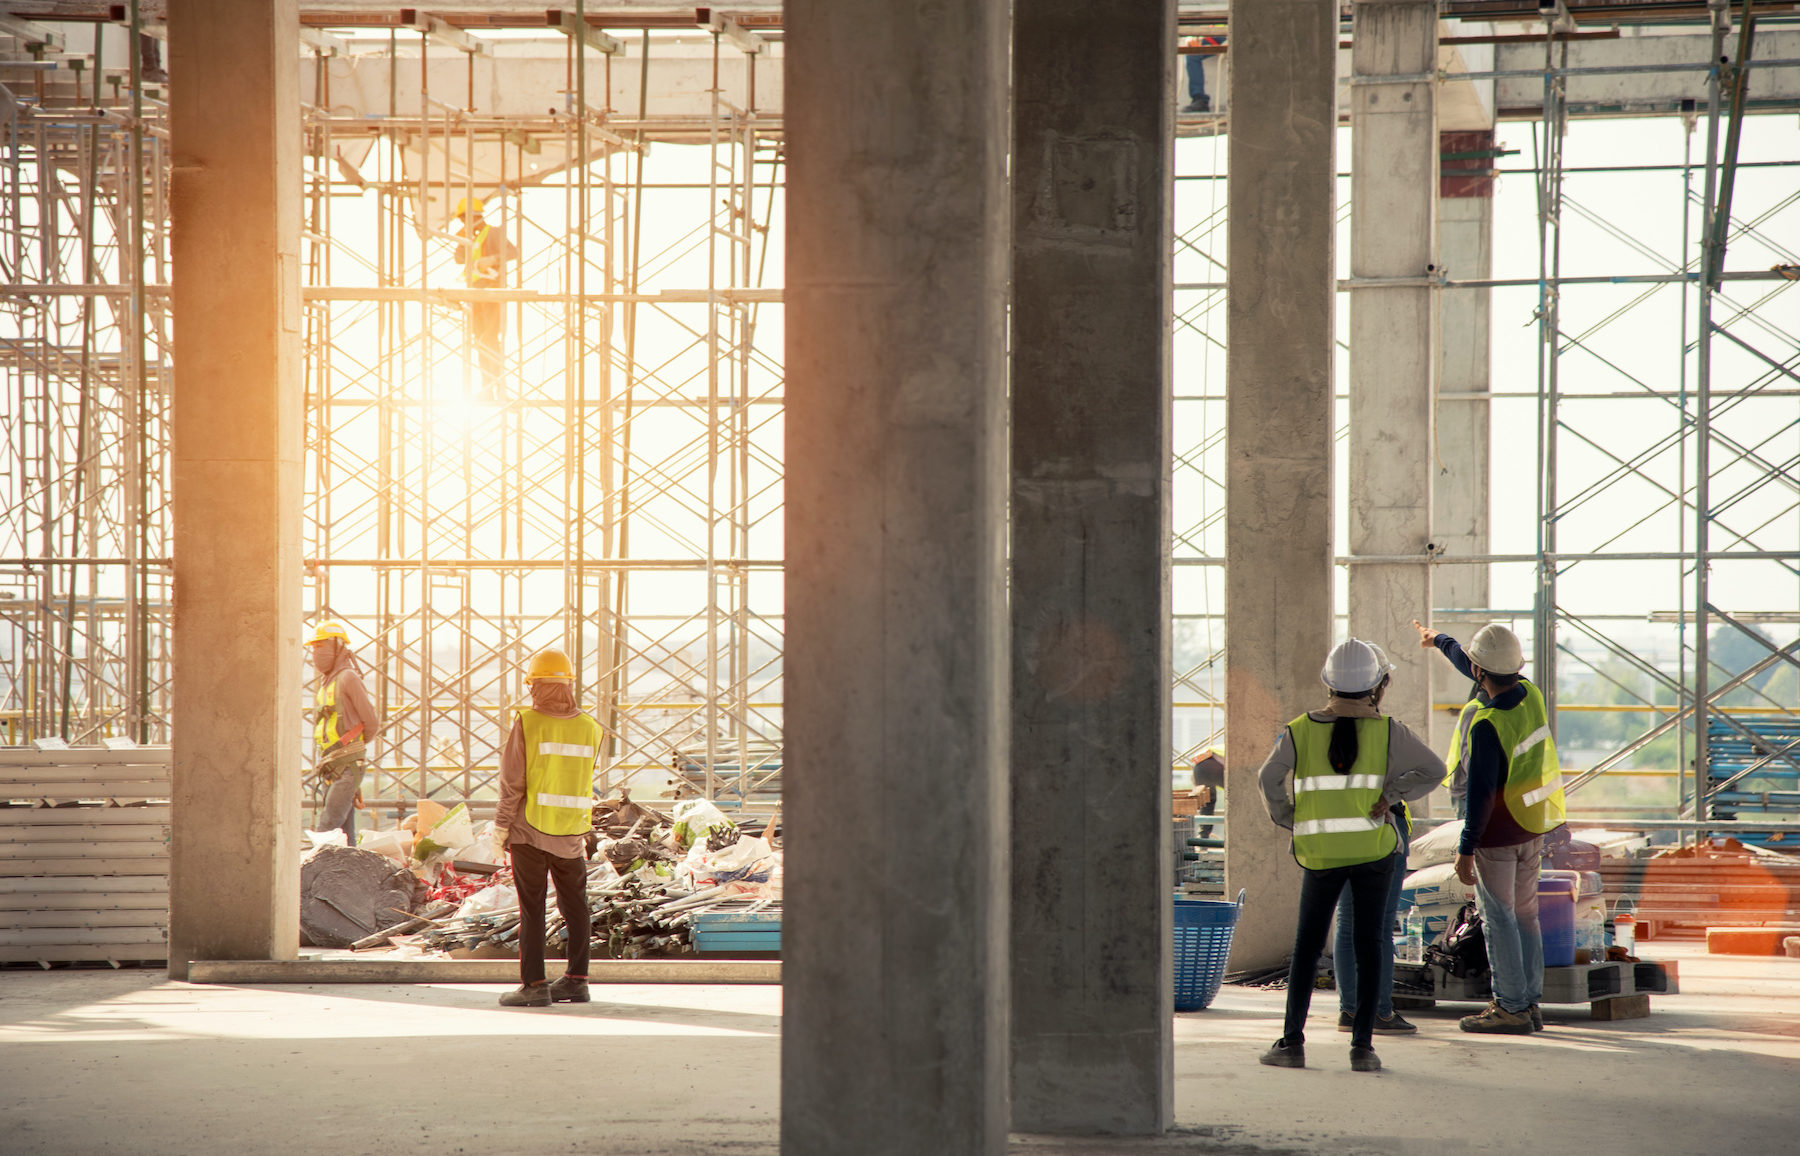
<point x="483" y="253"/>
<point x="344" y="722"/>
<point x="545" y="812"/>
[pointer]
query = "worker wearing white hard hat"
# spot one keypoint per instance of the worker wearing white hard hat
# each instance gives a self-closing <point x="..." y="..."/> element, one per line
<point x="1388" y="1021"/>
<point x="344" y="722"/>
<point x="1509" y="786"/>
<point x="1333" y="779"/>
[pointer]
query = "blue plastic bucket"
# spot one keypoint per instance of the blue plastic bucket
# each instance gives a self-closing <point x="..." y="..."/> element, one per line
<point x="1203" y="930"/>
<point x="1556" y="919"/>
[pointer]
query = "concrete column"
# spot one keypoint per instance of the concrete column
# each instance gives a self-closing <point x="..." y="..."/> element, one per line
<point x="1092" y="997"/>
<point x="1460" y="493"/>
<point x="1393" y="217"/>
<point x="234" y="874"/>
<point x="1281" y="290"/>
<point x="896" y="688"/>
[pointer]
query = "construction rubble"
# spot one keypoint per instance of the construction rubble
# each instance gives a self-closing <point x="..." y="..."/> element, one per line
<point x="659" y="885"/>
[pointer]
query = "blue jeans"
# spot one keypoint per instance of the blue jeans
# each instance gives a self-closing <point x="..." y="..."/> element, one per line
<point x="1343" y="952"/>
<point x="1196" y="76"/>
<point x="1506" y="889"/>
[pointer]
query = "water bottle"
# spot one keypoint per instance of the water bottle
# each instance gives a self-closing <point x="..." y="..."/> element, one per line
<point x="1415" y="938"/>
<point x="1625" y="932"/>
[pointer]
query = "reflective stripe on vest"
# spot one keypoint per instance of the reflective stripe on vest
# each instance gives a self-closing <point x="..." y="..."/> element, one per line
<point x="325" y="718"/>
<point x="559" y="771"/>
<point x="1332" y="827"/>
<point x="1534" y="790"/>
<point x="473" y="277"/>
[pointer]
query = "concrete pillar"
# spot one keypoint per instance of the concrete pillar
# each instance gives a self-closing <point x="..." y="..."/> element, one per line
<point x="1092" y="997"/>
<point x="896" y="688"/>
<point x="234" y="874"/>
<point x="1281" y="297"/>
<point x="1460" y="493"/>
<point x="1393" y="218"/>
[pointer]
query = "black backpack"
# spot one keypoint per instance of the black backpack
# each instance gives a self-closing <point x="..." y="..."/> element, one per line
<point x="1462" y="950"/>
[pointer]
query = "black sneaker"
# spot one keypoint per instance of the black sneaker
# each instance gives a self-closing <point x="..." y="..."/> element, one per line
<point x="1282" y="1054"/>
<point x="570" y="989"/>
<point x="1537" y="1018"/>
<point x="527" y="995"/>
<point x="1395" y="1025"/>
<point x="1364" y="1060"/>
<point x="1346" y="1021"/>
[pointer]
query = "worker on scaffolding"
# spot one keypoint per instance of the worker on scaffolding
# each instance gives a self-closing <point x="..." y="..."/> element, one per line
<point x="546" y="810"/>
<point x="483" y="252"/>
<point x="344" y="722"/>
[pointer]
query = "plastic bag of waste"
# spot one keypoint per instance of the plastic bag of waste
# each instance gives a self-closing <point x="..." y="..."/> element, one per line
<point x="454" y="830"/>
<point x="395" y="844"/>
<point x="695" y="819"/>
<point x="499" y="897"/>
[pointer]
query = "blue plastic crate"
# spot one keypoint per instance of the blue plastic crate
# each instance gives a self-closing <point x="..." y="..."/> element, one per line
<point x="1203" y="929"/>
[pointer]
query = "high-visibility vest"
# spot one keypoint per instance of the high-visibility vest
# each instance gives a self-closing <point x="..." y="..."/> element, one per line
<point x="471" y="267"/>
<point x="1534" y="790"/>
<point x="559" y="771"/>
<point x="1332" y="827"/>
<point x="328" y="732"/>
<point x="1457" y="778"/>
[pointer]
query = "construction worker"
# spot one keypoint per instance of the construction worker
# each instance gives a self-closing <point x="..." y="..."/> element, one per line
<point x="1506" y="763"/>
<point x="1349" y="767"/>
<point x="344" y="722"/>
<point x="546" y="810"/>
<point x="483" y="253"/>
<point x="1343" y="956"/>
<point x="1198" y="101"/>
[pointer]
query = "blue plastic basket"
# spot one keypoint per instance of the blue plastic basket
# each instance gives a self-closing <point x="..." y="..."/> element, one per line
<point x="1203" y="930"/>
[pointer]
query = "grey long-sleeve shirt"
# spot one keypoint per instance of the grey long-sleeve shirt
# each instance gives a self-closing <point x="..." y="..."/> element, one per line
<point x="1413" y="770"/>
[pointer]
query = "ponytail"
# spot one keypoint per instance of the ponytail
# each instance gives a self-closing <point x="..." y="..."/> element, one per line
<point x="1342" y="751"/>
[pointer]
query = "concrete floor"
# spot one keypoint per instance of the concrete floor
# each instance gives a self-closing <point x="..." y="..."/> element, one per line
<point x="126" y="1062"/>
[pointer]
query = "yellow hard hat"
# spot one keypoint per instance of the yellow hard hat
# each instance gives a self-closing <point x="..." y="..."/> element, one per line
<point x="550" y="665"/>
<point x="329" y="630"/>
<point x="464" y="203"/>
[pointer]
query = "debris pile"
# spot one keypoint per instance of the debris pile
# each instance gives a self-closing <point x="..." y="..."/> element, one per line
<point x="347" y="894"/>
<point x="650" y="876"/>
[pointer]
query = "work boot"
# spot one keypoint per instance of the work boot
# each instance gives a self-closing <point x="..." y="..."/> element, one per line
<point x="1497" y="1020"/>
<point x="527" y="995"/>
<point x="1537" y="1018"/>
<point x="1395" y="1025"/>
<point x="1364" y="1060"/>
<point x="1282" y="1054"/>
<point x="1346" y="1021"/>
<point x="570" y="989"/>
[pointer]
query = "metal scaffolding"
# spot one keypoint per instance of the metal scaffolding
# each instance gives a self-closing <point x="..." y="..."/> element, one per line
<point x="1668" y="463"/>
<point x="84" y="372"/>
<point x="617" y="492"/>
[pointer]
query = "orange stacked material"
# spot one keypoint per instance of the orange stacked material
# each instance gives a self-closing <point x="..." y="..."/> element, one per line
<point x="1749" y="940"/>
<point x="1718" y="884"/>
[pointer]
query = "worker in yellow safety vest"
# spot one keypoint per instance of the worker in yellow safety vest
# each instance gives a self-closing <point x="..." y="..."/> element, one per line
<point x="546" y="810"/>
<point x="483" y="252"/>
<point x="1509" y="788"/>
<point x="1349" y="768"/>
<point x="344" y="722"/>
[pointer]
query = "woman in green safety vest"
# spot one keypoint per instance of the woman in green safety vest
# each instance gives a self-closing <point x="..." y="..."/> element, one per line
<point x="1348" y="765"/>
<point x="546" y="810"/>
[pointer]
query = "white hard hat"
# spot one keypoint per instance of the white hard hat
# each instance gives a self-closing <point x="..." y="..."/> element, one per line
<point x="1352" y="667"/>
<point x="1381" y="657"/>
<point x="1495" y="649"/>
